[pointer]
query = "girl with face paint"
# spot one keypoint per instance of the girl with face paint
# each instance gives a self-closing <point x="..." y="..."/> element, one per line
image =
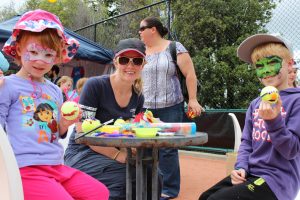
<point x="30" y="110"/>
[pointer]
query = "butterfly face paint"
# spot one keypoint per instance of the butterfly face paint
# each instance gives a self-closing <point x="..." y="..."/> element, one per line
<point x="36" y="52"/>
<point x="268" y="66"/>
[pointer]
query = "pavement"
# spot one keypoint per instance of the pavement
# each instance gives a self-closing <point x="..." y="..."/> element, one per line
<point x="199" y="171"/>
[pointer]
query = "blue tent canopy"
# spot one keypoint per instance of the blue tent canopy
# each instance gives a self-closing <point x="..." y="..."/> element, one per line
<point x="88" y="49"/>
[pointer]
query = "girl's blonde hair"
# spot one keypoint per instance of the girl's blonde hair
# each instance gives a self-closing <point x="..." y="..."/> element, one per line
<point x="48" y="38"/>
<point x="80" y="84"/>
<point x="63" y="80"/>
<point x="271" y="49"/>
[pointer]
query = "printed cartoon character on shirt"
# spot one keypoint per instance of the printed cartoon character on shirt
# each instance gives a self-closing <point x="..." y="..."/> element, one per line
<point x="27" y="104"/>
<point x="44" y="114"/>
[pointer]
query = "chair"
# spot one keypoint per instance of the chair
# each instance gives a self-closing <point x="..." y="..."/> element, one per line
<point x="64" y="142"/>
<point x="298" y="196"/>
<point x="237" y="132"/>
<point x="10" y="178"/>
<point x="232" y="156"/>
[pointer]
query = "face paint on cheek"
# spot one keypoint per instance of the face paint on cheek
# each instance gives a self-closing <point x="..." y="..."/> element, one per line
<point x="268" y="66"/>
<point x="26" y="56"/>
<point x="36" y="52"/>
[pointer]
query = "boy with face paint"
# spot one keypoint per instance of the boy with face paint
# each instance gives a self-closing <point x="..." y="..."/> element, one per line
<point x="268" y="162"/>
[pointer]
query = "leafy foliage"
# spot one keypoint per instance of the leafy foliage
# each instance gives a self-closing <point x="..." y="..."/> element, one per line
<point x="212" y="31"/>
<point x="110" y="32"/>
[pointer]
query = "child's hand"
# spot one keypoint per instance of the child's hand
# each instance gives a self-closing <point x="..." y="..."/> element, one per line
<point x="1" y="78"/>
<point x="238" y="176"/>
<point x="64" y="123"/>
<point x="268" y="111"/>
<point x="1" y="81"/>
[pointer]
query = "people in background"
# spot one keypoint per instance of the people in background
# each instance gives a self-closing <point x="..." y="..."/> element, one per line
<point x="30" y="110"/>
<point x="268" y="161"/>
<point x="79" y="85"/>
<point x="53" y="74"/>
<point x="114" y="96"/>
<point x="77" y="73"/>
<point x="66" y="85"/>
<point x="293" y="75"/>
<point x="163" y="94"/>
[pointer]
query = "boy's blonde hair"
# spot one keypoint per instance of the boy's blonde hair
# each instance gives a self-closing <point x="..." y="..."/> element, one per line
<point x="271" y="49"/>
<point x="63" y="80"/>
<point x="48" y="38"/>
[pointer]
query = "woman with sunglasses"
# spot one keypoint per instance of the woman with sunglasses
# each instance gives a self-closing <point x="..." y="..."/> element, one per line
<point x="163" y="94"/>
<point x="106" y="97"/>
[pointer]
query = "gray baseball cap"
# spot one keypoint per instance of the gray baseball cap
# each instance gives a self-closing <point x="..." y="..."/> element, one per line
<point x="246" y="48"/>
<point x="131" y="44"/>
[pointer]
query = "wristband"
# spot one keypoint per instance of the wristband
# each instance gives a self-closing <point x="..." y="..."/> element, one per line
<point x="116" y="155"/>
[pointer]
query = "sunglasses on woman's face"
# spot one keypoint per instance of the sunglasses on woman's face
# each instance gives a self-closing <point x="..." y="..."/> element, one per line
<point x="142" y="28"/>
<point x="122" y="60"/>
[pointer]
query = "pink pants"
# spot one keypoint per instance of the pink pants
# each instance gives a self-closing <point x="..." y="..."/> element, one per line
<point x="60" y="182"/>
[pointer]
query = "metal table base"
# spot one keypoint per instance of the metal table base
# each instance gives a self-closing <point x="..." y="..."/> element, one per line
<point x="141" y="162"/>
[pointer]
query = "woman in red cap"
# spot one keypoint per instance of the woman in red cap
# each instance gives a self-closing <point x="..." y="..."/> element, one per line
<point x="111" y="96"/>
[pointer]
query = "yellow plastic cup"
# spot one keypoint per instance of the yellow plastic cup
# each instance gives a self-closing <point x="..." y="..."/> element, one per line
<point x="110" y="129"/>
<point x="146" y="132"/>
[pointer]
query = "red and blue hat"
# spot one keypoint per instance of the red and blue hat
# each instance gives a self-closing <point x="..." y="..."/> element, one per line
<point x="37" y="21"/>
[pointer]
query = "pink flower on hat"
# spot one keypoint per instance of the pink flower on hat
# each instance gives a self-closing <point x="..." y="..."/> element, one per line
<point x="37" y="21"/>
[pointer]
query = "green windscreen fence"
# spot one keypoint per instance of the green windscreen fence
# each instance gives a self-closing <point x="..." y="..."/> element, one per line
<point x="220" y="129"/>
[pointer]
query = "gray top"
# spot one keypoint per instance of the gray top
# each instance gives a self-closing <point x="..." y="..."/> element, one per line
<point x="161" y="86"/>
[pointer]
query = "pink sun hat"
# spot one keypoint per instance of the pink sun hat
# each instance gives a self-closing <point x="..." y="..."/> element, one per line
<point x="37" y="21"/>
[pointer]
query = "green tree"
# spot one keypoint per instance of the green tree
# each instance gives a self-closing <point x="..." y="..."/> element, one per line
<point x="212" y="31"/>
<point x="66" y="10"/>
<point x="110" y="32"/>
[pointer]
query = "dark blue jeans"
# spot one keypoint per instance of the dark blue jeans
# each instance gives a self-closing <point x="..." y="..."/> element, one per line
<point x="168" y="157"/>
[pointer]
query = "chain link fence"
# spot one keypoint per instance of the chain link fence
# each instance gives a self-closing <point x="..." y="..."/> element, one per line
<point x="108" y="32"/>
<point x="285" y="21"/>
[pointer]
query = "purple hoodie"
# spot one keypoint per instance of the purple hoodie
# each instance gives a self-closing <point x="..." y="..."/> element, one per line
<point x="271" y="149"/>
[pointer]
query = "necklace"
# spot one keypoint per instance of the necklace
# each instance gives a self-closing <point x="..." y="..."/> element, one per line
<point x="37" y="90"/>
